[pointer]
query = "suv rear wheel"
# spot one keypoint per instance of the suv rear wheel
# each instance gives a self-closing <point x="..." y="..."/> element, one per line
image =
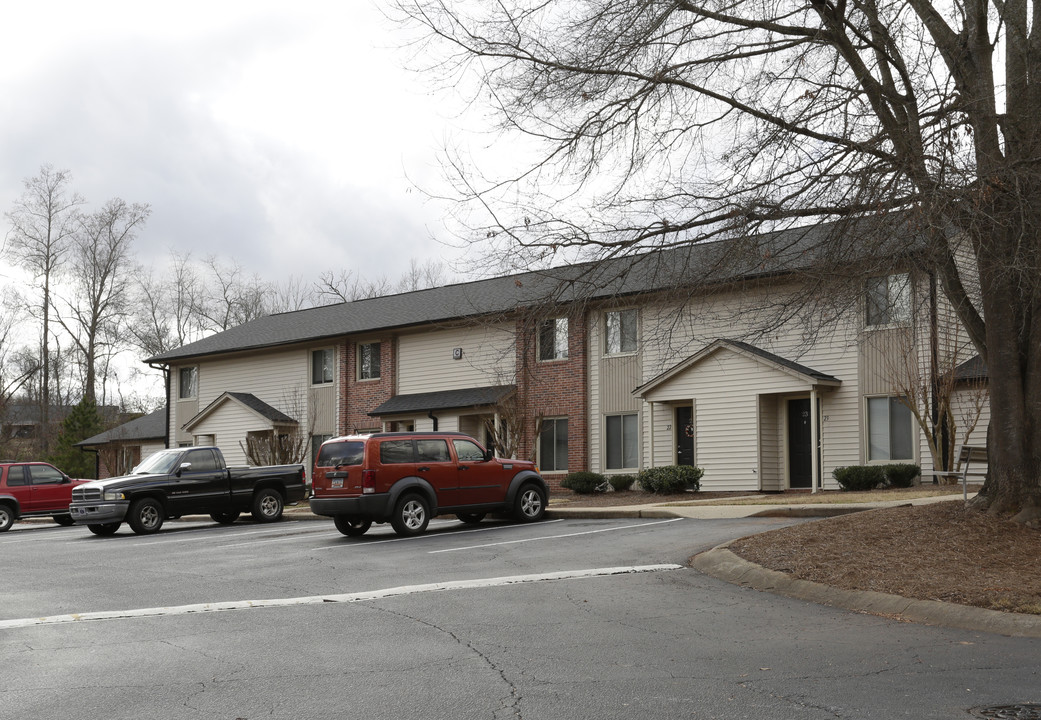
<point x="6" y="517"/>
<point x="411" y="514"/>
<point x="530" y="504"/>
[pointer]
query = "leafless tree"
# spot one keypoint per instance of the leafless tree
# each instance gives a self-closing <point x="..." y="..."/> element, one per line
<point x="229" y="297"/>
<point x="346" y="286"/>
<point x="43" y="221"/>
<point x="166" y="307"/>
<point x="664" y="123"/>
<point x="93" y="307"/>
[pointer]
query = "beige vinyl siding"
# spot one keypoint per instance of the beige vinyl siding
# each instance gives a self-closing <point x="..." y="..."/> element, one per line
<point x="620" y="376"/>
<point x="151" y="449"/>
<point x="228" y="425"/>
<point x="426" y="362"/>
<point x="734" y="445"/>
<point x="771" y="443"/>
<point x="323" y="404"/>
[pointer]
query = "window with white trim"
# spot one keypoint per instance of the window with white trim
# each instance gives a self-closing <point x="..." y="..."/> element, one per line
<point x="188" y="383"/>
<point x="621" y="441"/>
<point x="553" y="339"/>
<point x="553" y="445"/>
<point x="890" y="429"/>
<point x="322" y="366"/>
<point x="889" y="300"/>
<point x="368" y="361"/>
<point x="620" y="331"/>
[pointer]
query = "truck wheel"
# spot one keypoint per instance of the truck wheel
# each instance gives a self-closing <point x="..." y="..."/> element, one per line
<point x="224" y="518"/>
<point x="146" y="516"/>
<point x="351" y="525"/>
<point x="471" y="518"/>
<point x="104" y="528"/>
<point x="63" y="520"/>
<point x="411" y="515"/>
<point x="530" y="504"/>
<point x="6" y="517"/>
<point x="267" y="506"/>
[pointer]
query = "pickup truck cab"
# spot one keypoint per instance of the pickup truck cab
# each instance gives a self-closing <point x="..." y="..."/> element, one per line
<point x="186" y="481"/>
<point x="34" y="489"/>
<point x="407" y="478"/>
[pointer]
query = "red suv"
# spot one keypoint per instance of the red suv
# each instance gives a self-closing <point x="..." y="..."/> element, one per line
<point x="407" y="478"/>
<point x="34" y="489"/>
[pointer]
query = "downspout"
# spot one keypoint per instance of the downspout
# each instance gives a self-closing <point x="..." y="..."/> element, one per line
<point x="166" y="381"/>
<point x="430" y="414"/>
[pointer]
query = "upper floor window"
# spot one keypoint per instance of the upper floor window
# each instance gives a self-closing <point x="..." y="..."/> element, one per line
<point x="553" y="339"/>
<point x="322" y="362"/>
<point x="620" y="335"/>
<point x="368" y="361"/>
<point x="188" y="386"/>
<point x="890" y="429"/>
<point x="889" y="300"/>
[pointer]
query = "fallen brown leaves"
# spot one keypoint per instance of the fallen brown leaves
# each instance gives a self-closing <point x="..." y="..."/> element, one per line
<point x="931" y="552"/>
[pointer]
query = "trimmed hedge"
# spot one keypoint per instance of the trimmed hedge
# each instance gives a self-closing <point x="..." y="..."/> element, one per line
<point x="901" y="475"/>
<point x="621" y="483"/>
<point x="670" y="479"/>
<point x="868" y="477"/>
<point x="583" y="482"/>
<point x="857" y="478"/>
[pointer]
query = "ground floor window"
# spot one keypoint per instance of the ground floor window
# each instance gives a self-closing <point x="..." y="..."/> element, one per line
<point x="316" y="444"/>
<point x="890" y="429"/>
<point x="553" y="445"/>
<point x="622" y="434"/>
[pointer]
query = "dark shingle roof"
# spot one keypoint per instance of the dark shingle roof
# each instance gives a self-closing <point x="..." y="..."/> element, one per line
<point x="721" y="261"/>
<point x="147" y="427"/>
<point x="444" y="400"/>
<point x="785" y="362"/>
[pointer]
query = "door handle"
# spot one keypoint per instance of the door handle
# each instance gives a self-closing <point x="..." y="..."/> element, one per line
<point x="424" y="468"/>
<point x="464" y="467"/>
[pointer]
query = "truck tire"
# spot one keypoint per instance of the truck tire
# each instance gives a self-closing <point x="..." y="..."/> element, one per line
<point x="351" y="525"/>
<point x="146" y="516"/>
<point x="104" y="528"/>
<point x="64" y="520"/>
<point x="411" y="515"/>
<point x="267" y="506"/>
<point x="530" y="504"/>
<point x="224" y="518"/>
<point x="6" y="517"/>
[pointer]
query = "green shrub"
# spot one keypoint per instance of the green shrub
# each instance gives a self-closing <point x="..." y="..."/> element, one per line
<point x="670" y="478"/>
<point x="583" y="483"/>
<point x="859" y="477"/>
<point x="621" y="483"/>
<point x="901" y="475"/>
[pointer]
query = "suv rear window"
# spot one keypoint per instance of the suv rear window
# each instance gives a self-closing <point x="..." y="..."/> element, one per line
<point x="341" y="453"/>
<point x="396" y="451"/>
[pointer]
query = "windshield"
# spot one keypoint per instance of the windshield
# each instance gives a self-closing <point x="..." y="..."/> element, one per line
<point x="334" y="454"/>
<point x="162" y="463"/>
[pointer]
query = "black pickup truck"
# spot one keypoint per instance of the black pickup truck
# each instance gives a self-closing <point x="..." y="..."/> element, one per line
<point x="186" y="481"/>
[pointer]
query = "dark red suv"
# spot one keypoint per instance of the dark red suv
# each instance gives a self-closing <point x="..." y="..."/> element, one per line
<point x="34" y="489"/>
<point x="407" y="478"/>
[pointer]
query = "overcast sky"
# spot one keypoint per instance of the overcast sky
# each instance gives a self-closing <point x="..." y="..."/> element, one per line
<point x="287" y="136"/>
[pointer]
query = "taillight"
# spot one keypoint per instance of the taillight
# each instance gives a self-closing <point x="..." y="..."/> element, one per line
<point x="368" y="481"/>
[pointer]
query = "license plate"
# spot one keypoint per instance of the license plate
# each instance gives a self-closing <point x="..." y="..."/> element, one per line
<point x="337" y="483"/>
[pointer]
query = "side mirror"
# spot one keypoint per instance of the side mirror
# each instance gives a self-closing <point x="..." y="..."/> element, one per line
<point x="489" y="455"/>
<point x="184" y="466"/>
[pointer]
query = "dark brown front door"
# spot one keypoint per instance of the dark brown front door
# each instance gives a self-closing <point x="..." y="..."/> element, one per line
<point x="684" y="435"/>
<point x="800" y="445"/>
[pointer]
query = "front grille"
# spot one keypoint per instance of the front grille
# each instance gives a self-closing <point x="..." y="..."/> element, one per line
<point x="85" y="494"/>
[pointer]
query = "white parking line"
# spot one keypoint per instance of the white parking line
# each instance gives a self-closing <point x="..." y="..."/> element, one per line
<point x="344" y="598"/>
<point x="554" y="537"/>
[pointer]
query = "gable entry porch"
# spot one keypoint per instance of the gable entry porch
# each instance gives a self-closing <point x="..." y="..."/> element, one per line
<point x="740" y="413"/>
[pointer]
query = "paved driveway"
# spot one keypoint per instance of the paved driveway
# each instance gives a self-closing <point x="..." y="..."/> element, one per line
<point x="562" y="619"/>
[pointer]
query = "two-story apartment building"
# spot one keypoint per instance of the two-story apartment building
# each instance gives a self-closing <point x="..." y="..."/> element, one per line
<point x="604" y="368"/>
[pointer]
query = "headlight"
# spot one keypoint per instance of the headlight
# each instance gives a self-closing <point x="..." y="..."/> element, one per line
<point x="111" y="495"/>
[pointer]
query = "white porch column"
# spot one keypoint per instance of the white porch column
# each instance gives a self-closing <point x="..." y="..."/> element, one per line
<point x="815" y="457"/>
<point x="650" y="406"/>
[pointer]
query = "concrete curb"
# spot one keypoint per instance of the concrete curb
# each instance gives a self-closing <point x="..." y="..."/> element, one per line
<point x="723" y="564"/>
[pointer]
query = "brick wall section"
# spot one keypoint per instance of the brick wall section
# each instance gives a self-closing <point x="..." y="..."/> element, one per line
<point x="554" y="389"/>
<point x="359" y="397"/>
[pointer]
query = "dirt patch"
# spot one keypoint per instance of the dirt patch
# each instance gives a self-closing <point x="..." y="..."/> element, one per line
<point x="931" y="552"/>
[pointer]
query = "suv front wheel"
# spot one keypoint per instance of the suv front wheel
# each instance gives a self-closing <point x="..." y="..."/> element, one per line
<point x="411" y="515"/>
<point x="530" y="504"/>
